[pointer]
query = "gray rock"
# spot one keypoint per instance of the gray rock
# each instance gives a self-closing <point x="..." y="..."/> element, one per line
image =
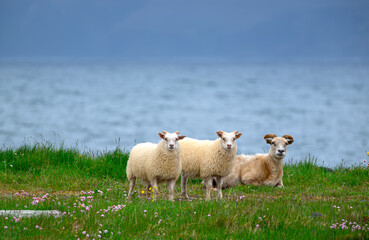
<point x="30" y="213"/>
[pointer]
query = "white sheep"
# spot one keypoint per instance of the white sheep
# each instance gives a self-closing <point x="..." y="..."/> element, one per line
<point x="155" y="164"/>
<point x="261" y="169"/>
<point x="206" y="159"/>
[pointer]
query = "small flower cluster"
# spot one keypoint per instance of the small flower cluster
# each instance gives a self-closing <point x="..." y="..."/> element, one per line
<point x="338" y="208"/>
<point x="22" y="193"/>
<point x="240" y="198"/>
<point x="14" y="219"/>
<point x="366" y="162"/>
<point x="261" y="221"/>
<point x="113" y="208"/>
<point x="354" y="226"/>
<point x="37" y="200"/>
<point x="82" y="199"/>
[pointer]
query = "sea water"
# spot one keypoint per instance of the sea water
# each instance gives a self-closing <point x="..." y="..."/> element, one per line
<point x="99" y="106"/>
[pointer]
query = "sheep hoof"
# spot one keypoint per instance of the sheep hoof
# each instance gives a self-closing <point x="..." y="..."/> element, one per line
<point x="185" y="196"/>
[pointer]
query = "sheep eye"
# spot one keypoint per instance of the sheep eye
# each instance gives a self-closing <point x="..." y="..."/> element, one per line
<point x="224" y="139"/>
<point x="166" y="139"/>
<point x="234" y="139"/>
<point x="176" y="139"/>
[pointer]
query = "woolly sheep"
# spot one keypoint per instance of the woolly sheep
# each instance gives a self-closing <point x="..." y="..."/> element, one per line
<point x="155" y="164"/>
<point x="206" y="159"/>
<point x="261" y="169"/>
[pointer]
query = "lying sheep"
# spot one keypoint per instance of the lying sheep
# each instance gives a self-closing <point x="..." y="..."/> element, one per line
<point x="207" y="159"/>
<point x="155" y="164"/>
<point x="260" y="169"/>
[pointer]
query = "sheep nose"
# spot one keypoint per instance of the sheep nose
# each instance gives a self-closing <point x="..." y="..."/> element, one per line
<point x="281" y="150"/>
<point x="171" y="145"/>
<point x="229" y="145"/>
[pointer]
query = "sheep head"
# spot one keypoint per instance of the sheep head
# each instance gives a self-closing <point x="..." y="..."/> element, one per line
<point x="278" y="145"/>
<point x="171" y="139"/>
<point x="228" y="139"/>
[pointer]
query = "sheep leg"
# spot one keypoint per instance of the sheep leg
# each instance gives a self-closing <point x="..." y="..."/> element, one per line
<point x="219" y="186"/>
<point x="184" y="185"/>
<point x="171" y="184"/>
<point x="208" y="184"/>
<point x="148" y="191"/>
<point x="131" y="186"/>
<point x="154" y="185"/>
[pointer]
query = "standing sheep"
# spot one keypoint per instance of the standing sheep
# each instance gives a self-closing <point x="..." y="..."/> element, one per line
<point x="155" y="164"/>
<point x="206" y="159"/>
<point x="261" y="169"/>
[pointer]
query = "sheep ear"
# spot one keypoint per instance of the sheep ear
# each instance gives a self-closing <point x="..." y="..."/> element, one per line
<point x="181" y="137"/>
<point x="165" y="132"/>
<point x="268" y="138"/>
<point x="161" y="135"/>
<point x="289" y="139"/>
<point x="177" y="132"/>
<point x="238" y="135"/>
<point x="220" y="134"/>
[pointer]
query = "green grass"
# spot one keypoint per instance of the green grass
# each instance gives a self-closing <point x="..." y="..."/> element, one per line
<point x="305" y="208"/>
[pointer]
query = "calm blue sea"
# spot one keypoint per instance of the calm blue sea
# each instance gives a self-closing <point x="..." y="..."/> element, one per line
<point x="97" y="106"/>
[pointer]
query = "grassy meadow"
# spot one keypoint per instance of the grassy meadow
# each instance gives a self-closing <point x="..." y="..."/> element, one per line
<point x="90" y="190"/>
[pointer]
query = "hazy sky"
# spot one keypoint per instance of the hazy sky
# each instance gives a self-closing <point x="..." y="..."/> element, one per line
<point x="240" y="29"/>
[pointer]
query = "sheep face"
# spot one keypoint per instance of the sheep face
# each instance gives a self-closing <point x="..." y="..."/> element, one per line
<point x="171" y="139"/>
<point x="278" y="145"/>
<point x="228" y="139"/>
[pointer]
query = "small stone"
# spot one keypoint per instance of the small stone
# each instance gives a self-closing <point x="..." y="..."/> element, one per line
<point x="316" y="214"/>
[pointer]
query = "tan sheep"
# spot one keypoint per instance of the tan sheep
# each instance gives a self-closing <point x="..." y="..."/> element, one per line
<point x="155" y="164"/>
<point x="261" y="169"/>
<point x="206" y="159"/>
